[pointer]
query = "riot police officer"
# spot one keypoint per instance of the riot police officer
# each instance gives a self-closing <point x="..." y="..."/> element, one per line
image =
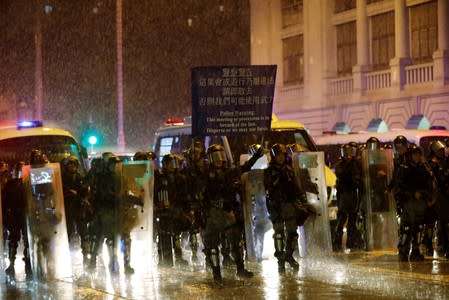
<point x="14" y="205"/>
<point x="415" y="183"/>
<point x="75" y="201"/>
<point x="283" y="196"/>
<point x="171" y="210"/>
<point x="348" y="171"/>
<point x="107" y="189"/>
<point x="400" y="148"/>
<point x="223" y="210"/>
<point x="440" y="211"/>
<point x="195" y="173"/>
<point x="128" y="211"/>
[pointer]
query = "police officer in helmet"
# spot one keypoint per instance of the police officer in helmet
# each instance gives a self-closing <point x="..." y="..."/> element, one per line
<point x="222" y="184"/>
<point x="284" y="195"/>
<point x="171" y="210"/>
<point x="348" y="171"/>
<point x="415" y="187"/>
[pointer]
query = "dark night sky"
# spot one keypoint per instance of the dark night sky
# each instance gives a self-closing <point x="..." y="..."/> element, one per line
<point x="79" y="58"/>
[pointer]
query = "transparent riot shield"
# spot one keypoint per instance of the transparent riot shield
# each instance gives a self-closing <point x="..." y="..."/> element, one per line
<point x="314" y="235"/>
<point x="136" y="214"/>
<point x="257" y="222"/>
<point x="46" y="223"/>
<point x="378" y="206"/>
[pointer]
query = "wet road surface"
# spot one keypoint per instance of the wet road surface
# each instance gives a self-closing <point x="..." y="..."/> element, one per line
<point x="359" y="275"/>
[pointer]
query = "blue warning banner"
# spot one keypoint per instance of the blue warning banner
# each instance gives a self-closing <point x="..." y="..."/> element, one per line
<point x="232" y="100"/>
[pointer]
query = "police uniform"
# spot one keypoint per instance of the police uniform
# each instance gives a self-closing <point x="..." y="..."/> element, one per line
<point x="284" y="195"/>
<point x="348" y="171"/>
<point x="415" y="188"/>
<point x="171" y="210"/>
<point x="223" y="210"/>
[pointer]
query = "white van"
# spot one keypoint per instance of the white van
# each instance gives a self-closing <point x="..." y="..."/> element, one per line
<point x="175" y="137"/>
<point x="17" y="141"/>
<point x="331" y="142"/>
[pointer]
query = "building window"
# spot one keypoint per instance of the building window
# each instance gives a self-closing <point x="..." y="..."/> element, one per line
<point x="293" y="55"/>
<point x="424" y="31"/>
<point x="346" y="48"/>
<point x="343" y="5"/>
<point x="291" y="12"/>
<point x="382" y="40"/>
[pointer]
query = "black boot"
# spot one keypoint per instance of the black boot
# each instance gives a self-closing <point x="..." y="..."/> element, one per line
<point x="404" y="243"/>
<point x="415" y="254"/>
<point x="238" y="253"/>
<point x="165" y="250"/>
<point x="180" y="261"/>
<point x="194" y="246"/>
<point x="226" y="254"/>
<point x="292" y="242"/>
<point x="214" y="260"/>
<point x="279" y="251"/>
<point x="10" y="271"/>
<point x="113" y="262"/>
<point x="94" y="246"/>
<point x="127" y="256"/>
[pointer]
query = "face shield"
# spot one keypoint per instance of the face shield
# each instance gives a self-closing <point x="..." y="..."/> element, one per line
<point x="218" y="157"/>
<point x="439" y="149"/>
<point x="170" y="162"/>
<point x="16" y="172"/>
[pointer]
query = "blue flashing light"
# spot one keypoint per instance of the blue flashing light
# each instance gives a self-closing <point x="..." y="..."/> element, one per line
<point x="29" y="124"/>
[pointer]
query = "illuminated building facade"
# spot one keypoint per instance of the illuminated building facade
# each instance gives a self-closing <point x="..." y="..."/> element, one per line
<point x="355" y="62"/>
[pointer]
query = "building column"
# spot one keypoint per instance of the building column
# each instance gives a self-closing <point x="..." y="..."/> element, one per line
<point x="359" y="70"/>
<point x="441" y="55"/>
<point x="402" y="45"/>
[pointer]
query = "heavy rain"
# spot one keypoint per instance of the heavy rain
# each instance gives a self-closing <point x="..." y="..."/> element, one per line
<point x="179" y="183"/>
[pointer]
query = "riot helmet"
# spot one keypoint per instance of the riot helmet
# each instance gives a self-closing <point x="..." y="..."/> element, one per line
<point x="112" y="162"/>
<point x="140" y="155"/>
<point x="97" y="165"/>
<point x="372" y="144"/>
<point x="216" y="155"/>
<point x="348" y="150"/>
<point x="70" y="161"/>
<point x="400" y="144"/>
<point x="195" y="152"/>
<point x="278" y="153"/>
<point x="438" y="148"/>
<point x="38" y="157"/>
<point x="16" y="172"/>
<point x="170" y="162"/>
<point x="416" y="153"/>
<point x="106" y="156"/>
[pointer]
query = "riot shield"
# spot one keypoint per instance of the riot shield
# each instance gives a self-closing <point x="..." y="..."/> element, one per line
<point x="46" y="223"/>
<point x="136" y="214"/>
<point x="378" y="206"/>
<point x="314" y="235"/>
<point x="257" y="222"/>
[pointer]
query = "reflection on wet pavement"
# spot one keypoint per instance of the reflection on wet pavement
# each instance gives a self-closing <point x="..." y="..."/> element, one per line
<point x="360" y="275"/>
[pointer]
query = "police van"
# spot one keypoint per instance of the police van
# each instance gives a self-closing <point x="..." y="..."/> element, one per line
<point x="175" y="136"/>
<point x="17" y="141"/>
<point x="330" y="142"/>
